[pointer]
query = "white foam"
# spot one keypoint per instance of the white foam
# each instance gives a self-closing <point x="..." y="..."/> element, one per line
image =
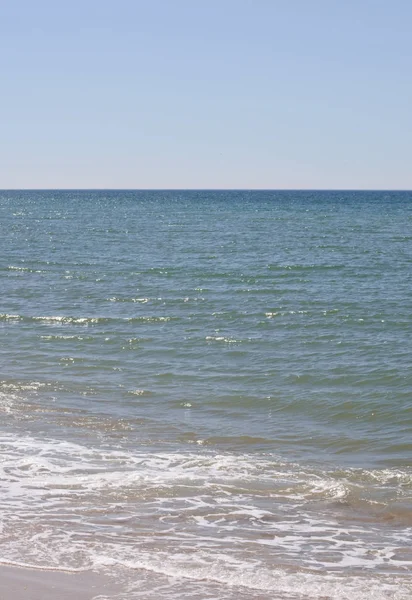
<point x="247" y="519"/>
<point x="67" y="320"/>
<point x="282" y="583"/>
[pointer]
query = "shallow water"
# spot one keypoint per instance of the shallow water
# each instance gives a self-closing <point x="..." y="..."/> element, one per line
<point x="208" y="394"/>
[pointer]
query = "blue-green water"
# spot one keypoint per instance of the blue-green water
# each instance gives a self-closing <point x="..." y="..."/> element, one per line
<point x="209" y="394"/>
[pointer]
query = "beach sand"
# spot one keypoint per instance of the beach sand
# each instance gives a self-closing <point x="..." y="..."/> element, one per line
<point x="26" y="584"/>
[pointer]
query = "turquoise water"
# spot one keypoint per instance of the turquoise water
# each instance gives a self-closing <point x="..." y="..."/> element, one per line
<point x="208" y="394"/>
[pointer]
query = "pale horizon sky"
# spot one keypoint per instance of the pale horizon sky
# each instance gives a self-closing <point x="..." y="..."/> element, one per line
<point x="210" y="94"/>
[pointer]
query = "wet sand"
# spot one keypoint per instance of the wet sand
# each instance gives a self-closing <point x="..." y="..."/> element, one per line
<point x="26" y="584"/>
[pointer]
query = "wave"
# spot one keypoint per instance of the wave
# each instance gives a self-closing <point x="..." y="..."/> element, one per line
<point x="287" y="480"/>
<point x="70" y="320"/>
<point x="220" y="338"/>
<point x="22" y="269"/>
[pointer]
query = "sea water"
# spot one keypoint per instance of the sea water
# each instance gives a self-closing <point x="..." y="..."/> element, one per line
<point x="208" y="394"/>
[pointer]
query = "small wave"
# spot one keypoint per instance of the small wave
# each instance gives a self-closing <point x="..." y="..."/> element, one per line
<point x="285" y="313"/>
<point x="218" y="338"/>
<point x="79" y="338"/>
<point x="24" y="269"/>
<point x="69" y="320"/>
<point x="9" y="317"/>
<point x="140" y="300"/>
<point x="305" y="267"/>
<point x="53" y="319"/>
<point x="13" y="268"/>
<point x="24" y="386"/>
<point x="149" y="319"/>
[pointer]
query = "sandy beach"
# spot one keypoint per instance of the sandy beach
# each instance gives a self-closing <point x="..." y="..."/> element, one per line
<point x="32" y="584"/>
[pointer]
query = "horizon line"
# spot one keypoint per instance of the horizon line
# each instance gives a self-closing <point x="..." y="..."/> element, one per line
<point x="97" y="189"/>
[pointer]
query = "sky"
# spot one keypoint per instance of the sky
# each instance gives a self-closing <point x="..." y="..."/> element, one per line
<point x="266" y="94"/>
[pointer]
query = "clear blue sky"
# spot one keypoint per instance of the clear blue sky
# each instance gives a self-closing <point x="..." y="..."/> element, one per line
<point x="206" y="94"/>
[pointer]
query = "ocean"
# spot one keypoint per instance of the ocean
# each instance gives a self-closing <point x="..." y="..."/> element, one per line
<point x="208" y="394"/>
